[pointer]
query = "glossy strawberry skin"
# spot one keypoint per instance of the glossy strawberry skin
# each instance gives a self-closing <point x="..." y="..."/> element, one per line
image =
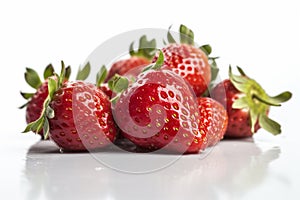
<point x="190" y="63"/>
<point x="83" y="118"/>
<point x="104" y="87"/>
<point x="159" y="111"/>
<point x="213" y="120"/>
<point x="122" y="66"/>
<point x="238" y="119"/>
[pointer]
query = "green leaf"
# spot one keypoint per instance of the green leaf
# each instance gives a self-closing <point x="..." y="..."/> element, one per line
<point x="206" y="49"/>
<point x="159" y="62"/>
<point x="38" y="125"/>
<point x="83" y="73"/>
<point x="239" y="82"/>
<point x="35" y="126"/>
<point x="240" y="103"/>
<point x="269" y="125"/>
<point x="170" y="37"/>
<point x="26" y="95"/>
<point x="241" y="71"/>
<point x="131" y="49"/>
<point x="118" y="83"/>
<point x="52" y="87"/>
<point x="253" y="119"/>
<point x="28" y="127"/>
<point x="276" y="100"/>
<point x="164" y="42"/>
<point x="282" y="97"/>
<point x="146" y="48"/>
<point x="240" y="86"/>
<point x="101" y="76"/>
<point x="186" y="35"/>
<point x="23" y="106"/>
<point x="62" y="74"/>
<point x="266" y="100"/>
<point x="49" y="71"/>
<point x="68" y="73"/>
<point x="32" y="78"/>
<point x="46" y="128"/>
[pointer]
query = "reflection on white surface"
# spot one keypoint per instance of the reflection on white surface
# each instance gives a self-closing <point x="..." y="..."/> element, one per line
<point x="230" y="171"/>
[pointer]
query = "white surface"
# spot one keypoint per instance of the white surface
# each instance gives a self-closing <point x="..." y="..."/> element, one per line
<point x="260" y="36"/>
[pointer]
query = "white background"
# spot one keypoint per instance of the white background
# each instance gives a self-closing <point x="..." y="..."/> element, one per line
<point x="263" y="37"/>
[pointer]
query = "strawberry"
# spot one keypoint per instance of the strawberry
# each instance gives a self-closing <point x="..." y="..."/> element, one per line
<point x="76" y="115"/>
<point x="213" y="120"/>
<point x="188" y="61"/>
<point x="35" y="101"/>
<point x="141" y="57"/>
<point x="247" y="105"/>
<point x="158" y="111"/>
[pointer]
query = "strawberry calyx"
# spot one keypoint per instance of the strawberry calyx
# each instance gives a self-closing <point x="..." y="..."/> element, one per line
<point x="118" y="83"/>
<point x="146" y="48"/>
<point x="54" y="83"/>
<point x="84" y="72"/>
<point x="256" y="101"/>
<point x="33" y="79"/>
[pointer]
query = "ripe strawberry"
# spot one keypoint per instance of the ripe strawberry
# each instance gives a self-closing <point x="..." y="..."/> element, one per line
<point x="213" y="120"/>
<point x="77" y="115"/>
<point x="159" y="111"/>
<point x="36" y="100"/>
<point x="188" y="61"/>
<point x="141" y="57"/>
<point x="247" y="105"/>
<point x="34" y="106"/>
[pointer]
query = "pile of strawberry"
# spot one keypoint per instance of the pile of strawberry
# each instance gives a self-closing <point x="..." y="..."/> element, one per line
<point x="159" y="100"/>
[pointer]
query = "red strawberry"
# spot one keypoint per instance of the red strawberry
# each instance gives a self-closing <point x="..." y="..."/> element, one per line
<point x="213" y="120"/>
<point x="247" y="105"/>
<point x="77" y="116"/>
<point x="36" y="100"/>
<point x="82" y="119"/>
<point x="104" y="87"/>
<point x="122" y="66"/>
<point x="141" y="57"/>
<point x="189" y="61"/>
<point x="159" y="110"/>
